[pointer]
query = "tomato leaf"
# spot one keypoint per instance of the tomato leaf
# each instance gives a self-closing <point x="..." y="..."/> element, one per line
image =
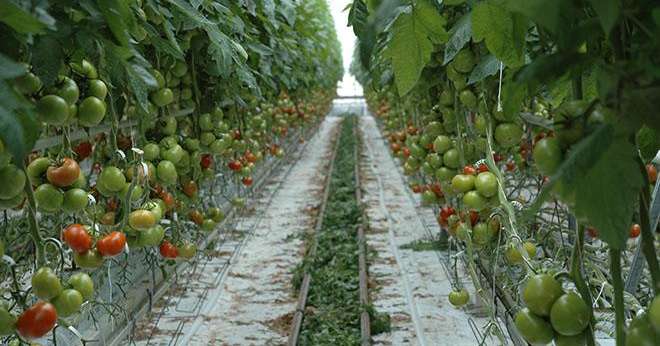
<point x="503" y="31"/>
<point x="119" y="18"/>
<point x="10" y="69"/>
<point x="357" y="17"/>
<point x="487" y="66"/>
<point x="47" y="55"/>
<point x="429" y="16"/>
<point x="460" y="33"/>
<point x="19" y="128"/>
<point x="19" y="19"/>
<point x="546" y="13"/>
<point x="410" y="50"/>
<point x="608" y="13"/>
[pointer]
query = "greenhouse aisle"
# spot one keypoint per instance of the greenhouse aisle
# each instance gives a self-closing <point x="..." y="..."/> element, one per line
<point x="254" y="303"/>
<point x="412" y="286"/>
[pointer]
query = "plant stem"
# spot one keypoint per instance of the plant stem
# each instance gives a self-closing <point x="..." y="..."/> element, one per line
<point x="617" y="283"/>
<point x="648" y="238"/>
<point x="34" y="225"/>
<point x="580" y="283"/>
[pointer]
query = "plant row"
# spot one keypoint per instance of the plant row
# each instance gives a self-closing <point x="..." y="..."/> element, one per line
<point x="161" y="112"/>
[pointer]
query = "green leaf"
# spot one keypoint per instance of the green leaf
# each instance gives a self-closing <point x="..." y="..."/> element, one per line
<point x="429" y="16"/>
<point x="488" y="66"/>
<point x="119" y="18"/>
<point x="19" y="128"/>
<point x="357" y="17"/>
<point x="19" y="19"/>
<point x="545" y="13"/>
<point x="10" y="69"/>
<point x="503" y="31"/>
<point x="608" y="13"/>
<point x="606" y="192"/>
<point x="640" y="107"/>
<point x="460" y="33"/>
<point x="410" y="50"/>
<point x="47" y="56"/>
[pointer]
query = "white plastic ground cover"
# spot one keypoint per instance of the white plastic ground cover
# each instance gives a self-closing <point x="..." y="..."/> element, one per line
<point x="253" y="303"/>
<point x="412" y="286"/>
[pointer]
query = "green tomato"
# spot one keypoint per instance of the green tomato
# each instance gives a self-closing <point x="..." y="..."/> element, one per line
<point x="206" y="138"/>
<point x="486" y="184"/>
<point x="80" y="182"/>
<point x="641" y="332"/>
<point x="462" y="183"/>
<point x="540" y="292"/>
<point x="570" y="314"/>
<point x="152" y="236"/>
<point x="45" y="284"/>
<point x="515" y="257"/>
<point x="547" y="155"/>
<point x="429" y="197"/>
<point x="191" y="144"/>
<point x="91" y="111"/>
<point x="7" y="322"/>
<point x="459" y="298"/>
<point x="481" y="234"/>
<point x="82" y="283"/>
<point x="37" y="169"/>
<point x="441" y="144"/>
<point x="27" y="84"/>
<point x="205" y="122"/>
<point x="468" y="99"/>
<point x="451" y="158"/>
<point x="98" y="89"/>
<point x="473" y="200"/>
<point x="12" y="202"/>
<point x="480" y="125"/>
<point x="216" y="214"/>
<point x="160" y="80"/>
<point x="162" y="97"/>
<point x="508" y="134"/>
<point x="13" y="181"/>
<point x="151" y="152"/>
<point x="654" y="313"/>
<point x="53" y="109"/>
<point x="532" y="328"/>
<point x="574" y="340"/>
<point x="208" y="225"/>
<point x="173" y="154"/>
<point x="75" y="200"/>
<point x="166" y="172"/>
<point x="68" y="302"/>
<point x="69" y="91"/>
<point x="168" y="128"/>
<point x="88" y="260"/>
<point x="444" y="174"/>
<point x="49" y="198"/>
<point x="464" y="61"/>
<point x="112" y="179"/>
<point x="434" y="160"/>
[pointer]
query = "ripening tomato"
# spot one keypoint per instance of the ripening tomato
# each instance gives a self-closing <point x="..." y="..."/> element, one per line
<point x="112" y="244"/>
<point x="250" y="157"/>
<point x="141" y="219"/>
<point x="187" y="250"/>
<point x="215" y="214"/>
<point x="169" y="200"/>
<point x="37" y="321"/>
<point x="168" y="250"/>
<point x="474" y="217"/>
<point x="77" y="238"/>
<point x="469" y="170"/>
<point x="196" y="217"/>
<point x="235" y="165"/>
<point x="190" y="188"/>
<point x="482" y="168"/>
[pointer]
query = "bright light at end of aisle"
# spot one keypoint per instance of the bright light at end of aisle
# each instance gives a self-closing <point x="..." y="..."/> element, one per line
<point x="348" y="86"/>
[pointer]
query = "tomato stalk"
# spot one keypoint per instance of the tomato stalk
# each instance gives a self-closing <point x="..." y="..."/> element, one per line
<point x="580" y="283"/>
<point x="648" y="238"/>
<point x="617" y="283"/>
<point x="34" y="224"/>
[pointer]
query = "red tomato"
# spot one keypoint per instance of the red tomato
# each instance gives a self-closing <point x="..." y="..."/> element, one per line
<point x="250" y="157"/>
<point x="652" y="173"/>
<point x="65" y="174"/>
<point x="510" y="166"/>
<point x="497" y="157"/>
<point x="37" y="321"/>
<point x="437" y="189"/>
<point x="593" y="232"/>
<point x="406" y="152"/>
<point x="190" y="188"/>
<point x="235" y="165"/>
<point x="112" y="244"/>
<point x="445" y="213"/>
<point x="77" y="238"/>
<point x="168" y="199"/>
<point x="168" y="250"/>
<point x="469" y="170"/>
<point x="83" y="150"/>
<point x="635" y="230"/>
<point x="247" y="181"/>
<point x="474" y="217"/>
<point x="206" y="161"/>
<point x="396" y="147"/>
<point x="416" y="188"/>
<point x="482" y="168"/>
